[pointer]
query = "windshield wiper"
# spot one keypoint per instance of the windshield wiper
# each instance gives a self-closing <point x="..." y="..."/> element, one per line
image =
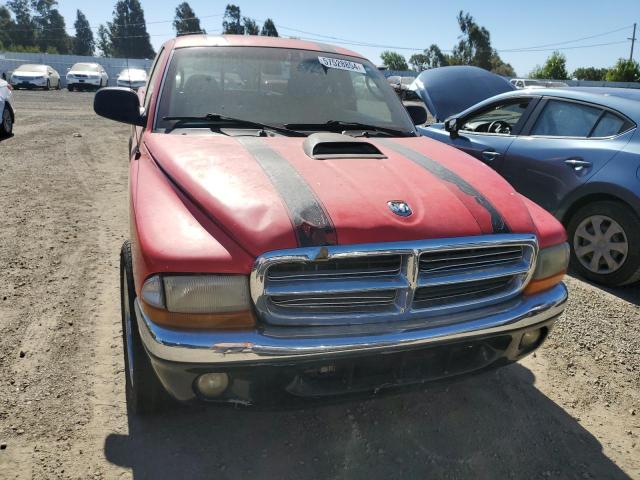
<point x="216" y="119"/>
<point x="340" y="125"/>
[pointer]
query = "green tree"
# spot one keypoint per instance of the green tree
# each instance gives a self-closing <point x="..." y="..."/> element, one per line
<point x="104" y="42"/>
<point x="431" y="57"/>
<point x="186" y="20"/>
<point x="394" y="61"/>
<point x="624" y="71"/>
<point x="269" y="29"/>
<point x="499" y="67"/>
<point x="555" y="68"/>
<point x="474" y="46"/>
<point x="128" y="31"/>
<point x="24" y="33"/>
<point x="250" y="26"/>
<point x="50" y="26"/>
<point x="590" y="73"/>
<point x="232" y="21"/>
<point x="7" y="28"/>
<point x="418" y="62"/>
<point x="83" y="43"/>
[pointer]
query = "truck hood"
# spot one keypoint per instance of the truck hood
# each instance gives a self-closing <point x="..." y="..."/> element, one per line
<point x="450" y="90"/>
<point x="268" y="194"/>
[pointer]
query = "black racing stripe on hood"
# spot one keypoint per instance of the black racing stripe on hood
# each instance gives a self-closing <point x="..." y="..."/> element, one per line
<point x="311" y="222"/>
<point x="497" y="222"/>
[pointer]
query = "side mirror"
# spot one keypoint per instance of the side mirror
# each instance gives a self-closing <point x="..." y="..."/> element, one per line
<point x="119" y="104"/>
<point x="417" y="113"/>
<point x="452" y="126"/>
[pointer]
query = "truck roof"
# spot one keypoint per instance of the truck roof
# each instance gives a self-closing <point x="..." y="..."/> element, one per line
<point x="257" y="41"/>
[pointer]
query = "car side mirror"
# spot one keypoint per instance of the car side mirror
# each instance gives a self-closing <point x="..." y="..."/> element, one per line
<point x="452" y="125"/>
<point x="119" y="104"/>
<point x="417" y="113"/>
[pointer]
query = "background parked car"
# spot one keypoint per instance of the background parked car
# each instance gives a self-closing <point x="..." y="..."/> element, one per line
<point x="530" y="83"/>
<point x="132" y="78"/>
<point x="84" y="76"/>
<point x="6" y="109"/>
<point x="35" y="76"/>
<point x="574" y="151"/>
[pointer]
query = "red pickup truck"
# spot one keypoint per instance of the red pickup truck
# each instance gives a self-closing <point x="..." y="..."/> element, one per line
<point x="292" y="236"/>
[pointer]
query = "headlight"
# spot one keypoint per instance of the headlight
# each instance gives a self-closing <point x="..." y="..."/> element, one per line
<point x="550" y="268"/>
<point x="198" y="301"/>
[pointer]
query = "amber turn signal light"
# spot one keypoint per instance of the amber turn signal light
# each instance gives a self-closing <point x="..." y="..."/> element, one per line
<point x="537" y="286"/>
<point x="200" y="321"/>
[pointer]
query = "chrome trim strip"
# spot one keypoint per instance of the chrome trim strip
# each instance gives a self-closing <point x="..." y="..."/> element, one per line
<point x="407" y="281"/>
<point x="253" y="346"/>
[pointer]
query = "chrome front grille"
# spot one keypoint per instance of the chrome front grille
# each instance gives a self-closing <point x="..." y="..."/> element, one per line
<point x="469" y="259"/>
<point x="374" y="283"/>
<point x="339" y="268"/>
<point x="337" y="302"/>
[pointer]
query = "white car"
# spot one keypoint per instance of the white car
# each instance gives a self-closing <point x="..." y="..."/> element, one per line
<point x="87" y="76"/>
<point x="6" y="109"/>
<point x="132" y="78"/>
<point x="35" y="76"/>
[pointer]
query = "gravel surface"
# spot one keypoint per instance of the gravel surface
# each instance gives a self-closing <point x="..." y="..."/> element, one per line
<point x="570" y="411"/>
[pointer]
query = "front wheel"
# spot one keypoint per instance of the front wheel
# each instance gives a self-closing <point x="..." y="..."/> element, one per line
<point x="144" y="392"/>
<point x="48" y="87"/>
<point x="6" y="125"/>
<point x="605" y="243"/>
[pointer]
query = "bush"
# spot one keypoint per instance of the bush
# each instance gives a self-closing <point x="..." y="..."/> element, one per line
<point x="624" y="71"/>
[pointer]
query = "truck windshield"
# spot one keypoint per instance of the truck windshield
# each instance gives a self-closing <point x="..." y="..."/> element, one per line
<point x="279" y="87"/>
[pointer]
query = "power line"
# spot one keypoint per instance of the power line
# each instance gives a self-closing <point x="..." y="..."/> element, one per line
<point x="572" y="41"/>
<point x="565" y="48"/>
<point x="344" y="41"/>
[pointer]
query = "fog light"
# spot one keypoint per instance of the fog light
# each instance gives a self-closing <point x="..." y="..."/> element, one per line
<point x="530" y="339"/>
<point x="212" y="384"/>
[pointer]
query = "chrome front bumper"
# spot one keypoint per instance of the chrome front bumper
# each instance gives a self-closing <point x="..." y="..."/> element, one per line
<point x="288" y="344"/>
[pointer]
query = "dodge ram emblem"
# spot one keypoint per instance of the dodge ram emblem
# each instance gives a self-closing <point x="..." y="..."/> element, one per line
<point x="400" y="208"/>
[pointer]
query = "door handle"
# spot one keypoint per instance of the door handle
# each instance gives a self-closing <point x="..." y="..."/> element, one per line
<point x="490" y="155"/>
<point x="577" y="164"/>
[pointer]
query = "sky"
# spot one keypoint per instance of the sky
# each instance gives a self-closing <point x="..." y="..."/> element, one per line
<point x="414" y="25"/>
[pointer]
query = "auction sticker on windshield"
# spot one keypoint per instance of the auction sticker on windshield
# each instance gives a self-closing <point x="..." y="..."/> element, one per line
<point x="342" y="64"/>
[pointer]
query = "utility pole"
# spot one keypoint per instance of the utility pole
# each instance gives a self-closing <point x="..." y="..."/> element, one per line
<point x="633" y="41"/>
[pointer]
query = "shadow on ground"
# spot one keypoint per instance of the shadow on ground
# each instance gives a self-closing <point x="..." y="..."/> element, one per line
<point x="496" y="425"/>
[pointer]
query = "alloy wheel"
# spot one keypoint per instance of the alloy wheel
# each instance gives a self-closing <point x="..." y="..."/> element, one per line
<point x="600" y="244"/>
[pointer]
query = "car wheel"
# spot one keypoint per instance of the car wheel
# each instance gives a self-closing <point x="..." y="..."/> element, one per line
<point x="605" y="243"/>
<point x="70" y="88"/>
<point x="6" y="126"/>
<point x="48" y="87"/>
<point x="144" y="392"/>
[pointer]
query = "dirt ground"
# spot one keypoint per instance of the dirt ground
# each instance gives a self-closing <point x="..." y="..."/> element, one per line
<point x="570" y="411"/>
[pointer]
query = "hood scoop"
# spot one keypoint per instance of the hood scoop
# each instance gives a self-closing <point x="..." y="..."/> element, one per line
<point x="325" y="146"/>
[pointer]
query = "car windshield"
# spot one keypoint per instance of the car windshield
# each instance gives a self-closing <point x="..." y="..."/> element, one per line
<point x="86" y="66"/>
<point x="31" y="68"/>
<point x="278" y="86"/>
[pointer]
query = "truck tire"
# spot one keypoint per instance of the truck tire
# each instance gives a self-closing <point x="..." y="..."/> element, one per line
<point x="605" y="243"/>
<point x="144" y="392"/>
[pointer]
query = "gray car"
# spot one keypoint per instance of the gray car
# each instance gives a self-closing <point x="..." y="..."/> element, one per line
<point x="574" y="151"/>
